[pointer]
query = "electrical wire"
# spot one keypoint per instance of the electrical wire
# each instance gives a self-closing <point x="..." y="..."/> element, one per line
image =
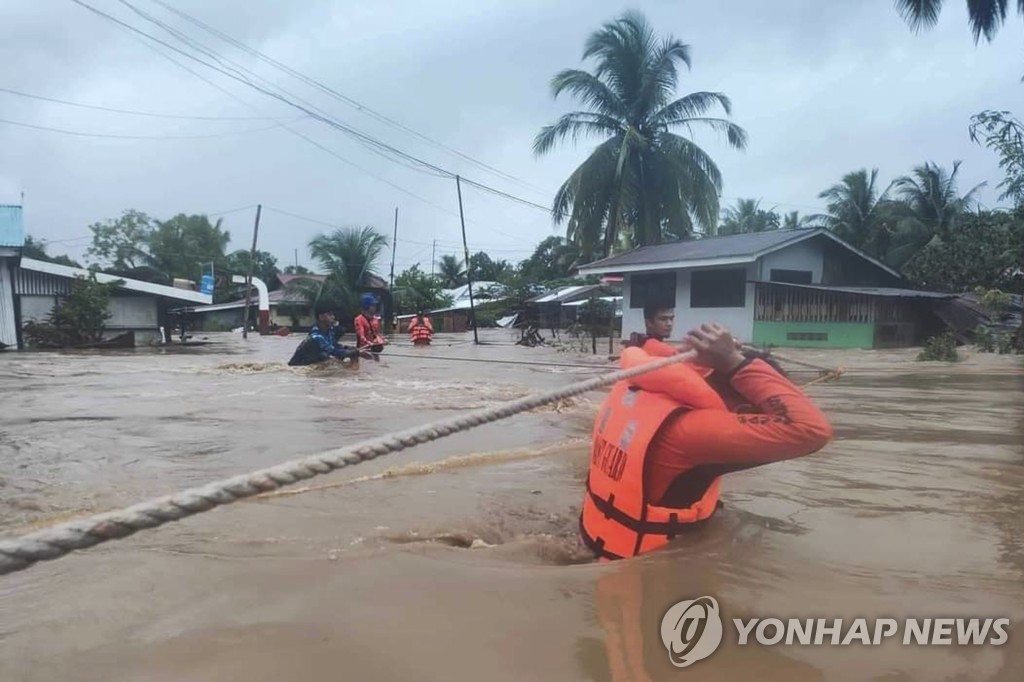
<point x="79" y="133"/>
<point x="339" y="96"/>
<point x="133" y="112"/>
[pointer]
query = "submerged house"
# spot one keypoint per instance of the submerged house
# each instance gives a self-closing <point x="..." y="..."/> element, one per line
<point x="29" y="290"/>
<point x="803" y="287"/>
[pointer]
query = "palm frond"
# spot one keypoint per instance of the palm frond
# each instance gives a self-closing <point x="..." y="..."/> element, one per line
<point x="573" y="125"/>
<point x="589" y="89"/>
<point x="689" y="106"/>
<point x="919" y="13"/>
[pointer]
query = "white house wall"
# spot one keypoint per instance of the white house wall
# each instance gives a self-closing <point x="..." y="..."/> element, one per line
<point x="739" y="321"/>
<point x="805" y="255"/>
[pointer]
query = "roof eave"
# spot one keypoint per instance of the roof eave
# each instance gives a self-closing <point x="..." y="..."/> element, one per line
<point x="130" y="284"/>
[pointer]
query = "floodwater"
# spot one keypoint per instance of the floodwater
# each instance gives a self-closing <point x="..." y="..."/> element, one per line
<point x="458" y="559"/>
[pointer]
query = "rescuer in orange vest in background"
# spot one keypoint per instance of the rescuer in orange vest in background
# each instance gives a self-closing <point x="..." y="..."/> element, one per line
<point x="663" y="439"/>
<point x="421" y="330"/>
<point x="367" y="326"/>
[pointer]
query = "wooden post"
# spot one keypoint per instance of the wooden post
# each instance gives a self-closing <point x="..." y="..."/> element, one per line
<point x="248" y="279"/>
<point x="611" y="327"/>
<point x="469" y="273"/>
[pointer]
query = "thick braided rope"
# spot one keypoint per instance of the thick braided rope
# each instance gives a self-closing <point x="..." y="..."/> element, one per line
<point x="19" y="553"/>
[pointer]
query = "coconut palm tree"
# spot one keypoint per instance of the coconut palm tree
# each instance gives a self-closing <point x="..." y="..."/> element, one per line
<point x="986" y="17"/>
<point x="933" y="208"/>
<point x="348" y="256"/>
<point x="855" y="209"/>
<point x="748" y="216"/>
<point x="451" y="272"/>
<point x="642" y="180"/>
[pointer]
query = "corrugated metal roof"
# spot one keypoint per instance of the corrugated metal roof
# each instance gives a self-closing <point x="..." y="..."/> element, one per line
<point x="730" y="246"/>
<point x="868" y="291"/>
<point x="130" y="284"/>
<point x="12" y="231"/>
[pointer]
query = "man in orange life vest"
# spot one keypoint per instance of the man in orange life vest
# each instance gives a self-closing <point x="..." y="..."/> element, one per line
<point x="420" y="329"/>
<point x="662" y="440"/>
<point x="367" y="326"/>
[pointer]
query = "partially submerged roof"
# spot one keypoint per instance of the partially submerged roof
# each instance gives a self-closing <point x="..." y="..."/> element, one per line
<point x="565" y="293"/>
<point x="712" y="251"/>
<point x="130" y="284"/>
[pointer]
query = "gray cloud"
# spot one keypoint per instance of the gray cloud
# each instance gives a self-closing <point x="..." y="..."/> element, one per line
<point x="822" y="88"/>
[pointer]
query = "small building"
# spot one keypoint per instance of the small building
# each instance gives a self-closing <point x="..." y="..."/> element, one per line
<point x="30" y="289"/>
<point x="804" y="287"/>
<point x="560" y="308"/>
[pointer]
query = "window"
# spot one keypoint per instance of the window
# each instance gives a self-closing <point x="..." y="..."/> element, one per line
<point x="791" y="276"/>
<point x="718" y="288"/>
<point x="807" y="336"/>
<point x="657" y="289"/>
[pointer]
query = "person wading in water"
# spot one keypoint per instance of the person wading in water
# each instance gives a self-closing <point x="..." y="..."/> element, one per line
<point x="662" y="440"/>
<point x="322" y="343"/>
<point x="367" y="325"/>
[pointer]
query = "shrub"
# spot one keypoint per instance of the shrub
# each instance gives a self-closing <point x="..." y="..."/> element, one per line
<point x="941" y="348"/>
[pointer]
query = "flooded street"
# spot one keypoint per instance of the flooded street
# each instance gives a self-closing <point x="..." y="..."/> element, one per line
<point x="458" y="559"/>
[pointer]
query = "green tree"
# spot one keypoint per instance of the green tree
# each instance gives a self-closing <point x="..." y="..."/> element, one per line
<point x="856" y="209"/>
<point x="297" y="270"/>
<point x="985" y="17"/>
<point x="349" y="257"/>
<point x="451" y="271"/>
<point x="415" y="290"/>
<point x="185" y="244"/>
<point x="123" y="243"/>
<point x="643" y="180"/>
<point x="794" y="221"/>
<point x="930" y="209"/>
<point x="554" y="258"/>
<point x="484" y="269"/>
<point x="265" y="266"/>
<point x="1003" y="134"/>
<point x="986" y="250"/>
<point x="36" y="248"/>
<point x="748" y="216"/>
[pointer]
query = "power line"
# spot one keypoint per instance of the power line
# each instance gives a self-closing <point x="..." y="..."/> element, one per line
<point x="339" y="96"/>
<point x="377" y="145"/>
<point x="79" y="133"/>
<point x="135" y="113"/>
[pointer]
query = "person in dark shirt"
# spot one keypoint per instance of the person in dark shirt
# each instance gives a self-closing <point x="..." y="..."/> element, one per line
<point x="322" y="343"/>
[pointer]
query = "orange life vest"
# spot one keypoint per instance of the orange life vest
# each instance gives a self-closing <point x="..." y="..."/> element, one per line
<point x="421" y="332"/>
<point x="368" y="329"/>
<point x="618" y="520"/>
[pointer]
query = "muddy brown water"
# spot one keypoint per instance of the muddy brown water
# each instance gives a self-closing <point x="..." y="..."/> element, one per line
<point x="458" y="559"/>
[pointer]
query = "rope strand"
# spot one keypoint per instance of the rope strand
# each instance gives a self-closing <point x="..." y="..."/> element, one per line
<point x="20" y="553"/>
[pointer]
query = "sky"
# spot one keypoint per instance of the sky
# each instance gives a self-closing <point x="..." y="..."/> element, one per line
<point x="822" y="89"/>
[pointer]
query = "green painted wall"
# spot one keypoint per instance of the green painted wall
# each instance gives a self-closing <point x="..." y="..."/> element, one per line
<point x="840" y="334"/>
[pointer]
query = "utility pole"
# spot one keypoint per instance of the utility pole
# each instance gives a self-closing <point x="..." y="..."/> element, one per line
<point x="296" y="260"/>
<point x="394" y="244"/>
<point x="433" y="250"/>
<point x="465" y="249"/>
<point x="248" y="279"/>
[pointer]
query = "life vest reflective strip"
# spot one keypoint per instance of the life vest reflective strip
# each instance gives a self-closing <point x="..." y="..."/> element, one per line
<point x="617" y="519"/>
<point x="420" y="330"/>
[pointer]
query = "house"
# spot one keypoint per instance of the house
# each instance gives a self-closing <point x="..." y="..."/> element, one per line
<point x="803" y="287"/>
<point x="29" y="290"/>
<point x="560" y="308"/>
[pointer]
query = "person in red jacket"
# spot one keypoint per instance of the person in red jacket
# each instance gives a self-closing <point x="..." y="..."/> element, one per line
<point x="663" y="439"/>
<point x="367" y="326"/>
